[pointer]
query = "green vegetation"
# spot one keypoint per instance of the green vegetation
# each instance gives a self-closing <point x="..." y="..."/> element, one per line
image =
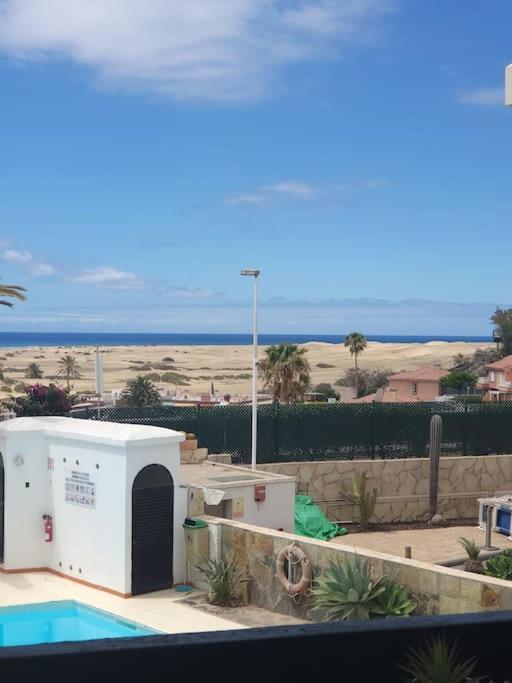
<point x="324" y="366"/>
<point x="225" y="581"/>
<point x="42" y="400"/>
<point x="153" y="376"/>
<point x="365" y="500"/>
<point x="69" y="367"/>
<point x="168" y="359"/>
<point x="285" y="372"/>
<point x="394" y="601"/>
<point x="473" y="563"/>
<point x="33" y="371"/>
<point x="175" y="378"/>
<point x="459" y="380"/>
<point x="500" y="566"/>
<point x="438" y="662"/>
<point x="347" y="591"/>
<point x="502" y="320"/>
<point x="326" y="390"/>
<point x="368" y="380"/>
<point x="140" y="392"/>
<point x="356" y="344"/>
<point x="476" y="363"/>
<point x="11" y="292"/>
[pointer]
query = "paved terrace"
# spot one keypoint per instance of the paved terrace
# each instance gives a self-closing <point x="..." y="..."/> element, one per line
<point x="428" y="545"/>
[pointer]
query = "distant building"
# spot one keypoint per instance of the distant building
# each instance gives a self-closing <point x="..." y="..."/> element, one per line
<point x="423" y="384"/>
<point x="497" y="384"/>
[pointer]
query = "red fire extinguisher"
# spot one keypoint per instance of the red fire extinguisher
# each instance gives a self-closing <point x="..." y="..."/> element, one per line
<point x="48" y="528"/>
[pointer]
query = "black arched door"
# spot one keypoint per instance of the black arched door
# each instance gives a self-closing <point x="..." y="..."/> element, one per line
<point x="152" y="529"/>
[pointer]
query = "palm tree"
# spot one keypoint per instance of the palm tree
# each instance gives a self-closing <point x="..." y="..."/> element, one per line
<point x="12" y="291"/>
<point x="140" y="392"/>
<point x="356" y="343"/>
<point x="70" y="368"/>
<point x="285" y="372"/>
<point x="33" y="371"/>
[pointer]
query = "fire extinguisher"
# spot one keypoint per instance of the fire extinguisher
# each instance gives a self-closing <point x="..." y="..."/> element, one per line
<point x="48" y="528"/>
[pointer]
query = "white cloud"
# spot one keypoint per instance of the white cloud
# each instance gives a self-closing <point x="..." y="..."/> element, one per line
<point x="286" y="188"/>
<point x="27" y="261"/>
<point x="206" y="49"/>
<point x="109" y="278"/>
<point x="486" y="97"/>
<point x="292" y="188"/>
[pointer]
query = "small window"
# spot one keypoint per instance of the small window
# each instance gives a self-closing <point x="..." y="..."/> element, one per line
<point x="492" y="375"/>
<point x="414" y="389"/>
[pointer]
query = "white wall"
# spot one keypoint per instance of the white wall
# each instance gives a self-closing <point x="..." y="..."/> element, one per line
<point x="277" y="511"/>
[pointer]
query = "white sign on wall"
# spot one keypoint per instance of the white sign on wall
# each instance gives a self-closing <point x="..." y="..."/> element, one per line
<point x="80" y="488"/>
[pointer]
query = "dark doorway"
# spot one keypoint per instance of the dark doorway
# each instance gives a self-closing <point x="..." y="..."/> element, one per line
<point x="2" y="507"/>
<point x="152" y="529"/>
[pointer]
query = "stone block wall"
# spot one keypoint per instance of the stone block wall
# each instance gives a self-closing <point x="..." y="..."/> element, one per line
<point x="436" y="589"/>
<point x="402" y="485"/>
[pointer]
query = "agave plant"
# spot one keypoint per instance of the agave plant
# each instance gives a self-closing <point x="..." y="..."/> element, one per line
<point x="473" y="562"/>
<point x="394" y="601"/>
<point x="225" y="580"/>
<point x="346" y="591"/>
<point x="438" y="662"/>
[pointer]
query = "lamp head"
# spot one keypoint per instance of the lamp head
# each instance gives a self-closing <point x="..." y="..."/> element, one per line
<point x="250" y="271"/>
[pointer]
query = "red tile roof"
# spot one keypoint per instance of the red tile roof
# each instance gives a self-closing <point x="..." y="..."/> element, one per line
<point x="503" y="364"/>
<point x="421" y="374"/>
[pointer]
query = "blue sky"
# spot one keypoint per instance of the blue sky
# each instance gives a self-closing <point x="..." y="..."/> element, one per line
<point x="356" y="151"/>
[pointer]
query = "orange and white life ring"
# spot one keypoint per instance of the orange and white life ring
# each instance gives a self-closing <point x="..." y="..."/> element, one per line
<point x="292" y="554"/>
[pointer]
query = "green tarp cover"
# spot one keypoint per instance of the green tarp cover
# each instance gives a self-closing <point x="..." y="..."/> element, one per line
<point x="311" y="521"/>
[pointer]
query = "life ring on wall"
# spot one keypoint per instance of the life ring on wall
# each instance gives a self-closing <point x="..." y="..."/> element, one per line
<point x="292" y="554"/>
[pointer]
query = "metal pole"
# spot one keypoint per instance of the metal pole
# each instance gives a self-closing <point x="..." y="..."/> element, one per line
<point x="254" y="375"/>
<point x="488" y="525"/>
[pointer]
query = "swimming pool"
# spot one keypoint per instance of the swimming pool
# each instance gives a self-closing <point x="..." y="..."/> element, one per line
<point x="56" y="622"/>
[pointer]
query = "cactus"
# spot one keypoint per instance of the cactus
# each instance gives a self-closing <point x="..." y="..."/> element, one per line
<point x="365" y="500"/>
<point x="436" y="431"/>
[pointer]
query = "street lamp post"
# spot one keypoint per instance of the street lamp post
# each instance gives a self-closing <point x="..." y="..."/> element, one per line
<point x="508" y="85"/>
<point x="255" y="274"/>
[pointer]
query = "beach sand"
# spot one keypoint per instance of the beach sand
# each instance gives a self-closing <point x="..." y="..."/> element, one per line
<point x="228" y="367"/>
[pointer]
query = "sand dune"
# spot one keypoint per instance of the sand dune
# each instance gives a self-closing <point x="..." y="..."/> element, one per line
<point x="228" y="367"/>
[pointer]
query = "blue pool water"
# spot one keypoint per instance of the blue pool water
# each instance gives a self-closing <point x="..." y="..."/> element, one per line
<point x="56" y="622"/>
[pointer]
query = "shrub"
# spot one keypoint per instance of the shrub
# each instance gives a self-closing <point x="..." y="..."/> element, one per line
<point x="9" y="381"/>
<point x="473" y="563"/>
<point x="153" y="376"/>
<point x="326" y="390"/>
<point x="6" y="388"/>
<point x="225" y="580"/>
<point x="325" y="365"/>
<point x="436" y="662"/>
<point x="394" y="601"/>
<point x="500" y="566"/>
<point x="42" y="400"/>
<point x="369" y="380"/>
<point x="347" y="591"/>
<point x="163" y="366"/>
<point x="365" y="500"/>
<point x="168" y="359"/>
<point x="20" y="387"/>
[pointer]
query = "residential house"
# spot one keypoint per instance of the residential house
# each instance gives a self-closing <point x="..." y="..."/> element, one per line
<point x="422" y="384"/>
<point x="498" y="382"/>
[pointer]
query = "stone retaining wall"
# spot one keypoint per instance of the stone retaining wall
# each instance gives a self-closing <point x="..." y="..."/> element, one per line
<point x="437" y="590"/>
<point x="403" y="485"/>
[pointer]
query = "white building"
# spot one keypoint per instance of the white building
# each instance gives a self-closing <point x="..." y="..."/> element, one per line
<point x="110" y="496"/>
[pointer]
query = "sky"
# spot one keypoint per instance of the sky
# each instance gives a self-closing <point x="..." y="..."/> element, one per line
<point x="357" y="152"/>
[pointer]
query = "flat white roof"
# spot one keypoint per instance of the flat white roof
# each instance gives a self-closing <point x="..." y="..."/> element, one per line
<point x="92" y="430"/>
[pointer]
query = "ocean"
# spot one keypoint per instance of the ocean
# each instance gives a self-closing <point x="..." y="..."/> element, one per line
<point x="11" y="339"/>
